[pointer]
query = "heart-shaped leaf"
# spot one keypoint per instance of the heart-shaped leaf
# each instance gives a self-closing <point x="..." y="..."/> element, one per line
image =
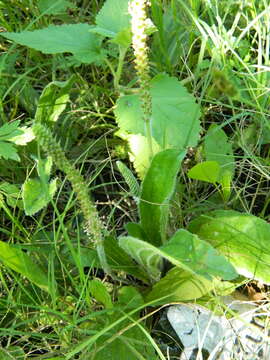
<point x="175" y="114"/>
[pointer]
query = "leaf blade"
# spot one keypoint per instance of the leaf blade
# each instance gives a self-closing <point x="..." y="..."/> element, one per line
<point x="205" y="171"/>
<point x="242" y="238"/>
<point x="60" y="39"/>
<point x="20" y="262"/>
<point x="198" y="255"/>
<point x="178" y="285"/>
<point x="157" y="190"/>
<point x="114" y="17"/>
<point x="175" y="114"/>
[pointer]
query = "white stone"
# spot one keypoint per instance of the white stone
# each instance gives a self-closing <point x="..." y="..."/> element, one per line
<point x="198" y="328"/>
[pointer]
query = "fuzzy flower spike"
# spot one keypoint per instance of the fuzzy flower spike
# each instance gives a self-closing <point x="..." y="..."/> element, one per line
<point x="137" y="10"/>
<point x="93" y="225"/>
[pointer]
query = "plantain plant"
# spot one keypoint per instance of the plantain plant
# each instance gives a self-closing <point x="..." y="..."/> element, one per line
<point x="159" y="119"/>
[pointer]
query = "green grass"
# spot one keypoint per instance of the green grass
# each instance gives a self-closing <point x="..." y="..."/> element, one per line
<point x="220" y="51"/>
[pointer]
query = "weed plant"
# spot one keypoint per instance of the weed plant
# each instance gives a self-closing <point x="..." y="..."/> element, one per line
<point x="134" y="157"/>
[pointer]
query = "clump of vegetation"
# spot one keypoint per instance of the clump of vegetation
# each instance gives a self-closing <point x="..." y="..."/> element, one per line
<point x="134" y="151"/>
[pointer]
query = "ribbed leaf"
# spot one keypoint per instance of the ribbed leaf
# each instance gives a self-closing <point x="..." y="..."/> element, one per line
<point x="157" y="190"/>
<point x="145" y="254"/>
<point x="185" y="250"/>
<point x="242" y="238"/>
<point x="198" y="255"/>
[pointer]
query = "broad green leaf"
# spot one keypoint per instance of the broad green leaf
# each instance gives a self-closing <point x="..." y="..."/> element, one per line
<point x="242" y="238"/>
<point x="179" y="285"/>
<point x="184" y="250"/>
<point x="129" y="298"/>
<point x="158" y="187"/>
<point x="20" y="262"/>
<point x="218" y="148"/>
<point x="135" y="230"/>
<point x="99" y="291"/>
<point x="54" y="7"/>
<point x="129" y="114"/>
<point x="120" y="261"/>
<point x="113" y="17"/>
<point x="7" y="132"/>
<point x="53" y="100"/>
<point x="37" y="195"/>
<point x="72" y="38"/>
<point x="123" y="38"/>
<point x="145" y="254"/>
<point x="206" y="171"/>
<point x="198" y="255"/>
<point x="175" y="114"/>
<point x="8" y="151"/>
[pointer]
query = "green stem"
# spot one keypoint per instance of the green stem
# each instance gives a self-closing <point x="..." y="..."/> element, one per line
<point x="110" y="67"/>
<point x="149" y="134"/>
<point x="122" y="54"/>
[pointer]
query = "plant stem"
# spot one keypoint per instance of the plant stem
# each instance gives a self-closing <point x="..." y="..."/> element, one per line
<point x="122" y="54"/>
